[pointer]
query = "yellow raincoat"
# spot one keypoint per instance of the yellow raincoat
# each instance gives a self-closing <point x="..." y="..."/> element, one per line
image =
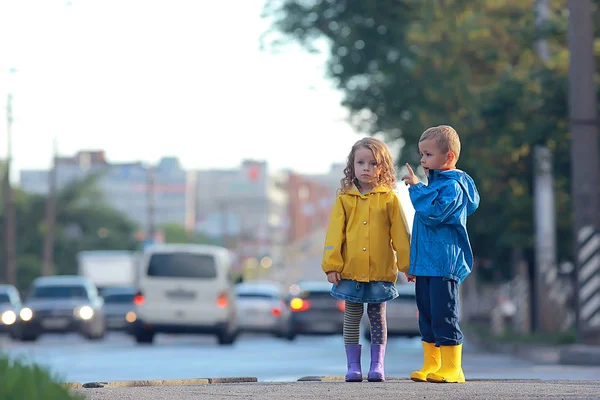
<point x="364" y="231"/>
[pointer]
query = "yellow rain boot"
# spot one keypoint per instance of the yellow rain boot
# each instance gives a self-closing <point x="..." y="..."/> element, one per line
<point x="451" y="369"/>
<point x="431" y="362"/>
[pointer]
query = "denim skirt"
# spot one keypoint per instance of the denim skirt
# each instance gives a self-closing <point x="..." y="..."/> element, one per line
<point x="364" y="292"/>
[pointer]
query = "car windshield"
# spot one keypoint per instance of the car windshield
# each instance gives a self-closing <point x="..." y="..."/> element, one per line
<point x="4" y="298"/>
<point x="118" y="299"/>
<point x="182" y="265"/>
<point x="59" y="292"/>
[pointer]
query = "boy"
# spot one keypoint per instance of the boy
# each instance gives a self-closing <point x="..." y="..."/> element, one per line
<point x="440" y="254"/>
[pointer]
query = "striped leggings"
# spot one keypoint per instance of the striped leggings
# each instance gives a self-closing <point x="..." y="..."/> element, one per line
<point x="352" y="316"/>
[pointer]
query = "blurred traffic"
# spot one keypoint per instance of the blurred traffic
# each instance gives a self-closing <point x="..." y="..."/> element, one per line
<point x="187" y="289"/>
<point x="61" y="304"/>
<point x="10" y="308"/>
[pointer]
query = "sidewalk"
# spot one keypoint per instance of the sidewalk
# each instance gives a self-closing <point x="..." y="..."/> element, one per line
<point x="334" y="388"/>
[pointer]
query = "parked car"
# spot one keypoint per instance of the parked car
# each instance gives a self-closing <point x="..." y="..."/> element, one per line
<point x="62" y="304"/>
<point x="10" y="305"/>
<point x="314" y="310"/>
<point x="185" y="288"/>
<point x="402" y="314"/>
<point x="119" y="310"/>
<point x="262" y="308"/>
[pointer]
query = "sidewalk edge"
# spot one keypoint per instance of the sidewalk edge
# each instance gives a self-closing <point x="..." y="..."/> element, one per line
<point x="158" y="382"/>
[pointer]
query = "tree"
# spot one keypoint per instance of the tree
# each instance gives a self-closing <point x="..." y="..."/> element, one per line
<point x="84" y="222"/>
<point x="175" y="233"/>
<point x="405" y="65"/>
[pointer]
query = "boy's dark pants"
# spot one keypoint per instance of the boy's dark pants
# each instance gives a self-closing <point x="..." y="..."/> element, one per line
<point x="437" y="301"/>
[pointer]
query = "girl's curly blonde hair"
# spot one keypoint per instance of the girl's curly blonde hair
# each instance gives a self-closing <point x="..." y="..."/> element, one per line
<point x="381" y="153"/>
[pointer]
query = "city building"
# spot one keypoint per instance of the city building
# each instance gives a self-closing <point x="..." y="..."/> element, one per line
<point x="150" y="196"/>
<point x="233" y="206"/>
<point x="255" y="212"/>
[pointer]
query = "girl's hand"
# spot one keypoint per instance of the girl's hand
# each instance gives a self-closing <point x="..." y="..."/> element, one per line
<point x="410" y="278"/>
<point x="410" y="178"/>
<point x="333" y="277"/>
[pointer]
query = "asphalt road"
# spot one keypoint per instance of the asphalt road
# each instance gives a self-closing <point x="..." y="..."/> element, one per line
<point x="269" y="359"/>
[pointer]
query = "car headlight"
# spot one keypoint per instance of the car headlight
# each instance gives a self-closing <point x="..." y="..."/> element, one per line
<point x="130" y="317"/>
<point x="84" y="312"/>
<point x="26" y="314"/>
<point x="9" y="317"/>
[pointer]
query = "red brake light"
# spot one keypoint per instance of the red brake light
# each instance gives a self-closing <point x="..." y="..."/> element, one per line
<point x="341" y="305"/>
<point x="222" y="300"/>
<point x="276" y="312"/>
<point x="139" y="299"/>
<point x="297" y="304"/>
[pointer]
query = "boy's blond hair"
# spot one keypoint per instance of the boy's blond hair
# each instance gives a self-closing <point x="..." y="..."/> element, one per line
<point x="446" y="138"/>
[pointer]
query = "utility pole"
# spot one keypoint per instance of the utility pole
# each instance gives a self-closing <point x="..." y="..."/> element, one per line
<point x="10" y="241"/>
<point x="584" y="169"/>
<point x="50" y="234"/>
<point x="545" y="317"/>
<point x="150" y="203"/>
<point x="224" y="211"/>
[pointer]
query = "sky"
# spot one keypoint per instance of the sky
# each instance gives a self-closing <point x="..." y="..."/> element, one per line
<point x="143" y="79"/>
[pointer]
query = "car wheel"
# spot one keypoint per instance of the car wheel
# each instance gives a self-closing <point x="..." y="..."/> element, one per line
<point x="367" y="334"/>
<point x="227" y="336"/>
<point x="291" y="336"/>
<point x="144" y="337"/>
<point x="96" y="336"/>
<point x="25" y="337"/>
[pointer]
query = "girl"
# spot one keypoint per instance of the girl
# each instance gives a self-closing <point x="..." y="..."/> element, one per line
<point x="367" y="225"/>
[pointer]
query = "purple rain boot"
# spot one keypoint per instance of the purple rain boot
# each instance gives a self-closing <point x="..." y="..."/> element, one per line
<point x="354" y="373"/>
<point x="376" y="373"/>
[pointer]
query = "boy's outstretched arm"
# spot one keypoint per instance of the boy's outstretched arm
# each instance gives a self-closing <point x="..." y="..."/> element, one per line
<point x="399" y="232"/>
<point x="436" y="206"/>
<point x="336" y="235"/>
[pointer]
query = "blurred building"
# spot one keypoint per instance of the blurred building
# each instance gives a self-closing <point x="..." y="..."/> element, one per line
<point x="68" y="169"/>
<point x="248" y="209"/>
<point x="233" y="206"/>
<point x="147" y="194"/>
<point x="259" y="213"/>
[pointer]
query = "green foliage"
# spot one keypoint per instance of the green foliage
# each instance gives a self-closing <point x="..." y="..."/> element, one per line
<point x="175" y="233"/>
<point x="19" y="380"/>
<point x="84" y="221"/>
<point x="405" y="65"/>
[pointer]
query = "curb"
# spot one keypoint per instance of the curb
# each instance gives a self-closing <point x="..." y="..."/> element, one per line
<point x="158" y="382"/>
<point x="71" y="385"/>
<point x="340" y="379"/>
<point x="580" y="355"/>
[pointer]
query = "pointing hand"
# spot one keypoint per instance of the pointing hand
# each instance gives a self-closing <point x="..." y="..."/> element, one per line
<point x="410" y="178"/>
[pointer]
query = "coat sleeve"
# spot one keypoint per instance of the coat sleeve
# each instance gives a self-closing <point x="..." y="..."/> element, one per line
<point x="399" y="232"/>
<point x="336" y="235"/>
<point x="437" y="206"/>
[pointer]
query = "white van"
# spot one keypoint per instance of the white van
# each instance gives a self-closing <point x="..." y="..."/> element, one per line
<point x="185" y="288"/>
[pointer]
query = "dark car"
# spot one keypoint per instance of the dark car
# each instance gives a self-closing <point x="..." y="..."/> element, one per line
<point x="62" y="304"/>
<point x="119" y="310"/>
<point x="10" y="305"/>
<point x="402" y="315"/>
<point x="314" y="310"/>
